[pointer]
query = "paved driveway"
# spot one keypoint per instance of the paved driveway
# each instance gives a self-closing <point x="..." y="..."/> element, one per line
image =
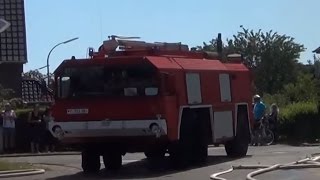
<point x="67" y="167"/>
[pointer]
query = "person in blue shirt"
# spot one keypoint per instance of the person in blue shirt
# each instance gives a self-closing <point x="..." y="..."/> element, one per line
<point x="259" y="109"/>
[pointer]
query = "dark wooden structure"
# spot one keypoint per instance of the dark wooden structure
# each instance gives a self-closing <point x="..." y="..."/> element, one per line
<point x="13" y="46"/>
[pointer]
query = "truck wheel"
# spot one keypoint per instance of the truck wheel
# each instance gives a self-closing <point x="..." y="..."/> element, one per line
<point x="200" y="152"/>
<point x="181" y="151"/>
<point x="155" y="158"/>
<point x="90" y="161"/>
<point x="200" y="136"/>
<point x="112" y="160"/>
<point x="238" y="147"/>
<point x="179" y="155"/>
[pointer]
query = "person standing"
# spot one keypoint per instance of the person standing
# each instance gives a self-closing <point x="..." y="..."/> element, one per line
<point x="35" y="121"/>
<point x="49" y="141"/>
<point x="259" y="110"/>
<point x="273" y="120"/>
<point x="9" y="118"/>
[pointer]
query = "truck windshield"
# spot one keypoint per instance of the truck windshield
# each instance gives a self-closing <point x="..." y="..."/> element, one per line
<point x="133" y="80"/>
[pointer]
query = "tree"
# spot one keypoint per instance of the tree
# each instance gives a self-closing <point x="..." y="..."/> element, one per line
<point x="227" y="48"/>
<point x="316" y="66"/>
<point x="312" y="67"/>
<point x="272" y="57"/>
<point x="34" y="74"/>
<point x="305" y="89"/>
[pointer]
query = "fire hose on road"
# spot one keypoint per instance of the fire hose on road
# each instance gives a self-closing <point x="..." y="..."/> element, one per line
<point x="311" y="162"/>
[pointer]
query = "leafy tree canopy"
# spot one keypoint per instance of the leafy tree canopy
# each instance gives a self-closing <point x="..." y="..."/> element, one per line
<point x="273" y="57"/>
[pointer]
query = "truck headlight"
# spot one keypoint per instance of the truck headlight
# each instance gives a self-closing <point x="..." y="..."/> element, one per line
<point x="155" y="129"/>
<point x="57" y="130"/>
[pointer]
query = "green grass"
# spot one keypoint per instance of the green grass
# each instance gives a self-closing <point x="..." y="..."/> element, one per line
<point x="7" y="166"/>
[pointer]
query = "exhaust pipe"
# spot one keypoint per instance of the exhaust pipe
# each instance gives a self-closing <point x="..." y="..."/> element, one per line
<point x="219" y="46"/>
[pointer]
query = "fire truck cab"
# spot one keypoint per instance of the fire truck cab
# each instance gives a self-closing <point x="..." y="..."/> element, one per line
<point x="156" y="98"/>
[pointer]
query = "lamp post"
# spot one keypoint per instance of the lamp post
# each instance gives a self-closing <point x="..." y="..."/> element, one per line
<point x="64" y="42"/>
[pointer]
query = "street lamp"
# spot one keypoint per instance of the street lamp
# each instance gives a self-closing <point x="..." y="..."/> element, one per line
<point x="64" y="42"/>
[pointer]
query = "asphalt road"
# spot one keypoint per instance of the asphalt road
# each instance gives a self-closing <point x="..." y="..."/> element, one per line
<point x="67" y="167"/>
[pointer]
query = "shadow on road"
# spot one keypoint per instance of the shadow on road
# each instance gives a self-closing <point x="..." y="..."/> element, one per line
<point x="143" y="169"/>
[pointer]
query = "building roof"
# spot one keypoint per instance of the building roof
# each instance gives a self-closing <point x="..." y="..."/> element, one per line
<point x="33" y="91"/>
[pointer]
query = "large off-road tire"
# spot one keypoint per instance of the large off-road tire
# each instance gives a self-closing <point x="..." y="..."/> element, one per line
<point x="181" y="150"/>
<point x="180" y="154"/>
<point x="192" y="146"/>
<point x="112" y="160"/>
<point x="238" y="147"/>
<point x="90" y="161"/>
<point x="200" y="152"/>
<point x="156" y="157"/>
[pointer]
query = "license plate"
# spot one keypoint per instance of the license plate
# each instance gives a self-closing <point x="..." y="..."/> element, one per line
<point x="77" y="111"/>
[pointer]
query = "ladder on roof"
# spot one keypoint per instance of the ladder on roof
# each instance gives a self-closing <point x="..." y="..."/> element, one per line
<point x="124" y="43"/>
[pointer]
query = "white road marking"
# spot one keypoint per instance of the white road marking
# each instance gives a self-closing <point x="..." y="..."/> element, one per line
<point x="130" y="161"/>
<point x="213" y="148"/>
<point x="279" y="152"/>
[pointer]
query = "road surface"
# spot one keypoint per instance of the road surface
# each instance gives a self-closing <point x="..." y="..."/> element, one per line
<point x="68" y="167"/>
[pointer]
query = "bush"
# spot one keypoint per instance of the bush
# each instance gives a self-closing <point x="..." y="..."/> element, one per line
<point x="292" y="111"/>
<point x="279" y="99"/>
<point x="300" y="121"/>
<point x="17" y="103"/>
<point x="22" y="114"/>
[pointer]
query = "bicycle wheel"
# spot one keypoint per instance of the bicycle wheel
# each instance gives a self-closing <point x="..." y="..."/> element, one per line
<point x="254" y="137"/>
<point x="269" y="138"/>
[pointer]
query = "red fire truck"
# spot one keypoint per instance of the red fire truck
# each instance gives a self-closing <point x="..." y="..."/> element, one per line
<point x="156" y="98"/>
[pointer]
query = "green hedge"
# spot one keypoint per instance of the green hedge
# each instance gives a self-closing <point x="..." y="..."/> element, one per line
<point x="300" y="122"/>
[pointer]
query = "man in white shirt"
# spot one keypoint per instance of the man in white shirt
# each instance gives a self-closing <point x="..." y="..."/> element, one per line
<point x="9" y="118"/>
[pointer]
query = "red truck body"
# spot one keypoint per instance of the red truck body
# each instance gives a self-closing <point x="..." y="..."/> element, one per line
<point x="145" y="97"/>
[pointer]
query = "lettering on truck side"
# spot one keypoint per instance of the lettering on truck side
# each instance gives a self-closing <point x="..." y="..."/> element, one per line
<point x="77" y="111"/>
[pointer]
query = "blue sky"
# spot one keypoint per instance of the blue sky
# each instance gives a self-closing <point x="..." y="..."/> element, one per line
<point x="191" y="22"/>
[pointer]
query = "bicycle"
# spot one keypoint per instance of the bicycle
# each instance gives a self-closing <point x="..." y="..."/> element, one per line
<point x="263" y="134"/>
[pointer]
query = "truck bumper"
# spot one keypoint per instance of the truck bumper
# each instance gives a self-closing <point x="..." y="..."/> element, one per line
<point x="69" y="131"/>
